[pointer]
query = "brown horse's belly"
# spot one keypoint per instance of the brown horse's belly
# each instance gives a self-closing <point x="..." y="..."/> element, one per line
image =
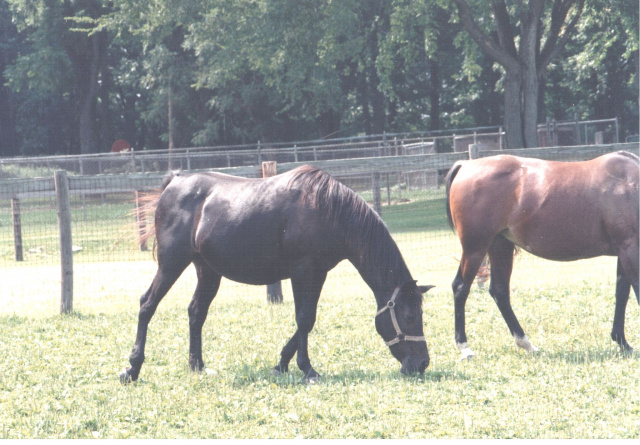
<point x="560" y="245"/>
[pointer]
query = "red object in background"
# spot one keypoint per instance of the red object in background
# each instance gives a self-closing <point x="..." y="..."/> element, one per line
<point x="120" y="145"/>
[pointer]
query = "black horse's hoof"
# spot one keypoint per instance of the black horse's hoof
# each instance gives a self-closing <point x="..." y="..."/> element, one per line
<point x="626" y="351"/>
<point x="278" y="370"/>
<point x="311" y="378"/>
<point x="125" y="377"/>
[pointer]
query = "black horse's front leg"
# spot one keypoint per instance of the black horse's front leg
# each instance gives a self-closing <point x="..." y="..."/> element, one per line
<point x="286" y="355"/>
<point x="306" y="286"/>
<point x="302" y="359"/>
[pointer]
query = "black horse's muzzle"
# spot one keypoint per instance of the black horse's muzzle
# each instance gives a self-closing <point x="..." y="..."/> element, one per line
<point x="412" y="366"/>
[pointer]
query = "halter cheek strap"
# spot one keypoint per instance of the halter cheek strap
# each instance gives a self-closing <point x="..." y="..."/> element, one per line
<point x="400" y="336"/>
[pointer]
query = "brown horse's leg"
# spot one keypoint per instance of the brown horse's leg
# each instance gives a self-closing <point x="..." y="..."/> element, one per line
<point x="623" y="288"/>
<point x="501" y="260"/>
<point x="149" y="301"/>
<point x="206" y="290"/>
<point x="469" y="266"/>
<point x="627" y="277"/>
<point x="630" y="261"/>
<point x="306" y="292"/>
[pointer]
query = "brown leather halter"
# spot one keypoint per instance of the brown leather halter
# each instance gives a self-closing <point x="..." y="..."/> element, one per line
<point x="400" y="336"/>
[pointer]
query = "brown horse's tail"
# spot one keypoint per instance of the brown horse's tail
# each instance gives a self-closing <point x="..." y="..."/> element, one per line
<point x="147" y="204"/>
<point x="448" y="180"/>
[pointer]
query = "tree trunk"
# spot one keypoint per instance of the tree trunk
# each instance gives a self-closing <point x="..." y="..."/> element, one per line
<point x="530" y="24"/>
<point x="8" y="137"/>
<point x="524" y="65"/>
<point x="434" y="95"/>
<point x="512" y="111"/>
<point x="88" y="93"/>
<point x="170" y="115"/>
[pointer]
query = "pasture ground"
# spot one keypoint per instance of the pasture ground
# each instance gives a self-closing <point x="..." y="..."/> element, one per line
<point x="58" y="374"/>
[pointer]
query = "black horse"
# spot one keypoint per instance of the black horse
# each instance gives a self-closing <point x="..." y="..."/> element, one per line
<point x="297" y="225"/>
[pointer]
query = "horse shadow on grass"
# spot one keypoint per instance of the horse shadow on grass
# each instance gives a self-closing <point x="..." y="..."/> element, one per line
<point x="244" y="376"/>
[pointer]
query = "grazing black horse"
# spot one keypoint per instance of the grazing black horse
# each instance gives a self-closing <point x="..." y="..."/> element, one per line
<point x="561" y="211"/>
<point x="296" y="225"/>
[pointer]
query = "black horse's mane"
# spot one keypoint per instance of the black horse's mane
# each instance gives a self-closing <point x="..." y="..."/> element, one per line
<point x="349" y="214"/>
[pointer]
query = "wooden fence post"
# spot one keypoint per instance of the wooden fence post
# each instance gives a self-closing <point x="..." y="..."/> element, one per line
<point x="64" y="225"/>
<point x="17" y="228"/>
<point x="377" y="204"/>
<point x="474" y="151"/>
<point x="274" y="291"/>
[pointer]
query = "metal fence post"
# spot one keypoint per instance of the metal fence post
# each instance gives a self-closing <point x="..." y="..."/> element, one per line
<point x="64" y="226"/>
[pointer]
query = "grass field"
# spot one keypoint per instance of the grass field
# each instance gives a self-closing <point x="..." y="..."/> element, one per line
<point x="59" y="373"/>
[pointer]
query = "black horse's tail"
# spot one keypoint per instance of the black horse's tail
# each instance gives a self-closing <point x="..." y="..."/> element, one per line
<point x="148" y="203"/>
<point x="448" y="180"/>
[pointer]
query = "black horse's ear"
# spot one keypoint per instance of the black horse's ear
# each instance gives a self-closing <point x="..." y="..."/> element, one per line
<point x="409" y="285"/>
<point x="425" y="289"/>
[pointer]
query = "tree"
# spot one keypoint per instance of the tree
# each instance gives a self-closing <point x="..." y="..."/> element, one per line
<point x="9" y="43"/>
<point x="598" y="77"/>
<point x="527" y="42"/>
<point x="61" y="61"/>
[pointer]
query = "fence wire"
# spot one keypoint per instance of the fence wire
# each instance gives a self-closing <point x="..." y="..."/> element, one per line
<point x="111" y="271"/>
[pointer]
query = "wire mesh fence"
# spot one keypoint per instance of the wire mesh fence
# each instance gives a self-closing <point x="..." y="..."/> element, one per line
<point x="111" y="271"/>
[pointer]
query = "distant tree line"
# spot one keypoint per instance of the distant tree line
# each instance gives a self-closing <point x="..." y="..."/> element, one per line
<point x="79" y="74"/>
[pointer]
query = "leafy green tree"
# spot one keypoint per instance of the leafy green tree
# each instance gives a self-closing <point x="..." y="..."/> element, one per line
<point x="529" y="37"/>
<point x="9" y="45"/>
<point x="62" y="61"/>
<point x="598" y="78"/>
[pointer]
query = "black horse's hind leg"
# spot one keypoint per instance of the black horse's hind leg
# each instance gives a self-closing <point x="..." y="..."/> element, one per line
<point x="501" y="260"/>
<point x="162" y="282"/>
<point x="206" y="290"/>
<point x="307" y="286"/>
<point x="469" y="266"/>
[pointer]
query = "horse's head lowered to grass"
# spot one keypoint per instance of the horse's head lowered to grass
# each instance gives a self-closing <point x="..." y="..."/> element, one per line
<point x="407" y="343"/>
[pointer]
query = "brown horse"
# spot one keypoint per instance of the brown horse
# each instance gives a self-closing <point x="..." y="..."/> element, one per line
<point x="297" y="225"/>
<point x="560" y="211"/>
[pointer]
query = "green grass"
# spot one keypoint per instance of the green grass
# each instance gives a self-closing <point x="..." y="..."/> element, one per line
<point x="58" y="374"/>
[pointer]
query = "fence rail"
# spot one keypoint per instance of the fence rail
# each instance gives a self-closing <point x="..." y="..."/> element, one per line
<point x="97" y="184"/>
<point x="552" y="133"/>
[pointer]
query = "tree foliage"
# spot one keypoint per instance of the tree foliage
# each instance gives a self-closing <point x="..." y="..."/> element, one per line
<point x="79" y="74"/>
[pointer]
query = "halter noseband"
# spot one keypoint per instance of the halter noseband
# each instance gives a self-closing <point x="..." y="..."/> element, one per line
<point x="399" y="334"/>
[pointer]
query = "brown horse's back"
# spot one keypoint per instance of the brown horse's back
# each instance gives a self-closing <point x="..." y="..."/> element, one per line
<point x="555" y="210"/>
